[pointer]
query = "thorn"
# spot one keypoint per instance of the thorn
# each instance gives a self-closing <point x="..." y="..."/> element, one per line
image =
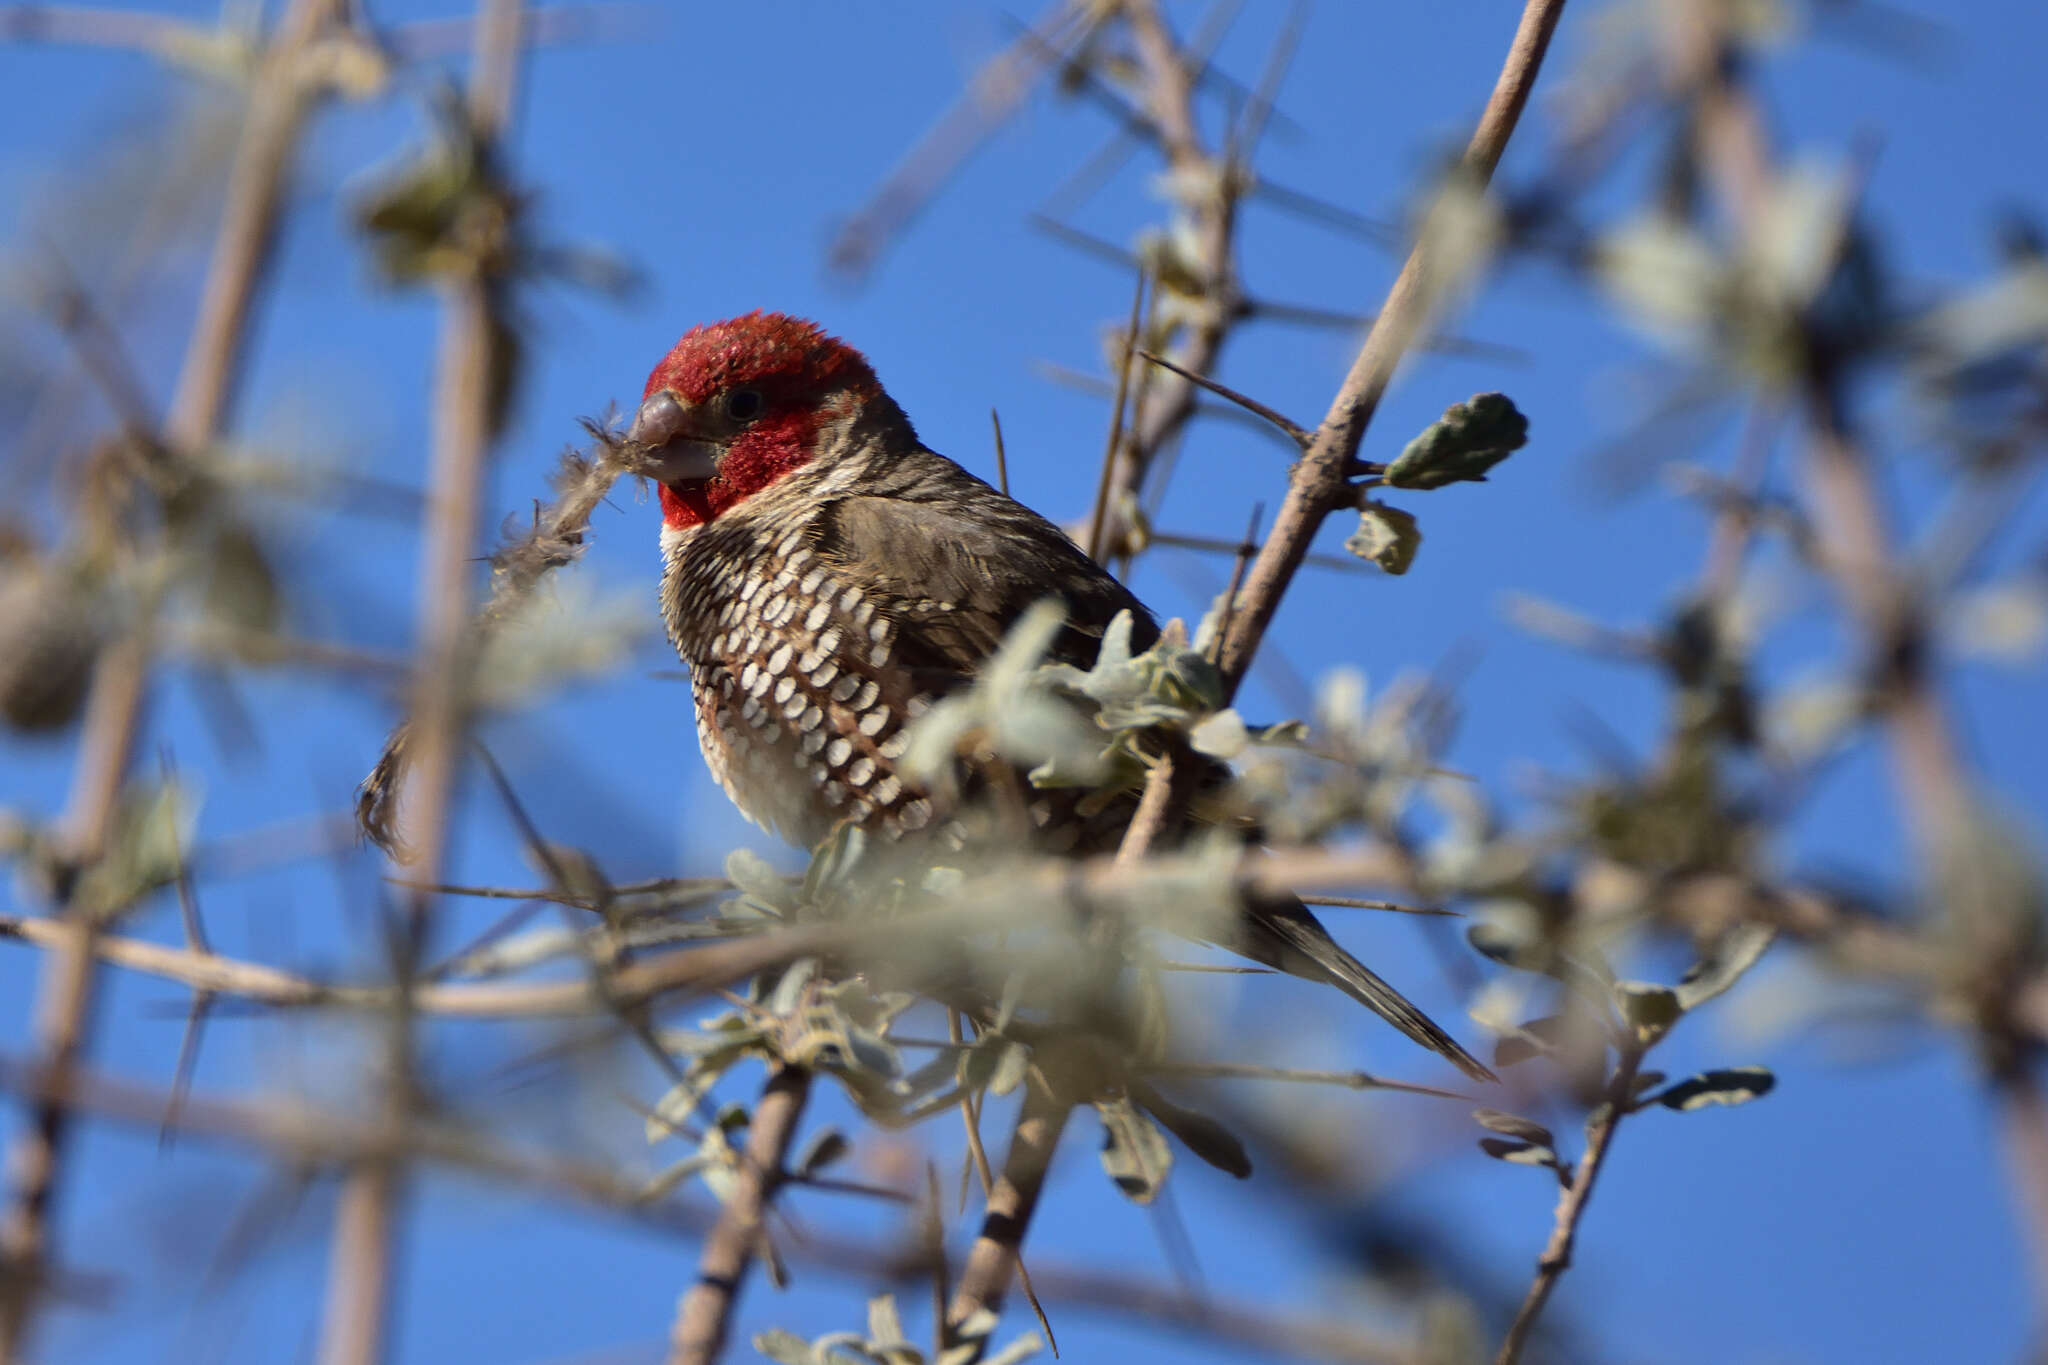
<point x="1116" y="424"/>
<point x="1002" y="461"/>
<point x="1302" y="435"/>
<point x="1087" y="243"/>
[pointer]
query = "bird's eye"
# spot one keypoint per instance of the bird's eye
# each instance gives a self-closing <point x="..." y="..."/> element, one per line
<point x="743" y="405"/>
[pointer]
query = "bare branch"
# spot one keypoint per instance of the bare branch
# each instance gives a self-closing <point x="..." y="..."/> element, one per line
<point x="1320" y="484"/>
<point x="704" y="1318"/>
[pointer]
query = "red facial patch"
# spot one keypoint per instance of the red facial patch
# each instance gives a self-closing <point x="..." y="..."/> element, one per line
<point x="794" y="365"/>
<point x="775" y="445"/>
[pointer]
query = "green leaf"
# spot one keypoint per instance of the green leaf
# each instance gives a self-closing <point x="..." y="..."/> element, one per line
<point x="1222" y="735"/>
<point x="1459" y="447"/>
<point x="1011" y="1064"/>
<point x="968" y="1337"/>
<point x="1522" y="1153"/>
<point x="1386" y="536"/>
<point x="784" y="1347"/>
<point x="1533" y="1038"/>
<point x="1134" y="1152"/>
<point x="825" y="1147"/>
<point x="1018" y="1351"/>
<point x="1515" y="1126"/>
<point x="1729" y="1085"/>
<point x="885" y="1325"/>
<point x="753" y="875"/>
<point x="671" y="1177"/>
<point x="1649" y="1009"/>
<point x="1208" y="1139"/>
<point x="672" y="1112"/>
<point x="1735" y="953"/>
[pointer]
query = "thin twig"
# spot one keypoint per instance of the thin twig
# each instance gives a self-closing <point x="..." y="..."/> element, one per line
<point x="1098" y="518"/>
<point x="1572" y="1202"/>
<point x="1320" y="483"/>
<point x="999" y="1249"/>
<point x="1300" y="434"/>
<point x="704" y="1318"/>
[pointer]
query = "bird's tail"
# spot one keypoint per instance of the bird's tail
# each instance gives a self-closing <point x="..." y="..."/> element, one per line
<point x="1280" y="932"/>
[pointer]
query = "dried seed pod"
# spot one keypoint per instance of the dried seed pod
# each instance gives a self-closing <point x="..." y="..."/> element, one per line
<point x="51" y="631"/>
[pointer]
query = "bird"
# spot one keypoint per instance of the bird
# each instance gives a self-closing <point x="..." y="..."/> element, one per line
<point x="827" y="578"/>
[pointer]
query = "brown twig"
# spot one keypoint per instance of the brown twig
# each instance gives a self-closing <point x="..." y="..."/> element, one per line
<point x="1164" y="408"/>
<point x="1572" y="1202"/>
<point x="213" y="355"/>
<point x="703" y="1320"/>
<point x="360" y="1273"/>
<point x="998" y="1251"/>
<point x="1320" y="484"/>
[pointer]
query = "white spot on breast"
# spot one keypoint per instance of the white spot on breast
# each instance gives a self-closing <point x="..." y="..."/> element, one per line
<point x="871" y="724"/>
<point x="812" y="741"/>
<point x="747" y="676"/>
<point x="778" y="662"/>
<point x="812" y="719"/>
<point x="845" y="687"/>
<point x="838" y="751"/>
<point x="916" y="814"/>
<point x="784" y="688"/>
<point x="878" y="630"/>
<point x="819" y="615"/>
<point x="888" y="789"/>
<point x="863" y="768"/>
<point x="829" y="641"/>
<point x="794" y="707"/>
<point x="761" y="682"/>
<point x="824" y="673"/>
<point x="894" y="745"/>
<point x="865" y="698"/>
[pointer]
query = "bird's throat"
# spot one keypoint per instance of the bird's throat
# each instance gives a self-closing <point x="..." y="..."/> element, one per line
<point x="772" y="449"/>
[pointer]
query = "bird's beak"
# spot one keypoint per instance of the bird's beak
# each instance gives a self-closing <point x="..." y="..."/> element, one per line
<point x="673" y="456"/>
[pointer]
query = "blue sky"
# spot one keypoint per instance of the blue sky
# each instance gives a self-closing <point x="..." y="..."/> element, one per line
<point x="1860" y="1213"/>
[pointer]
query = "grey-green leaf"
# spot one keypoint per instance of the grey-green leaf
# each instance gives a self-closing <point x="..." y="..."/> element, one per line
<point x="784" y="1347"/>
<point x="1649" y="1009"/>
<point x="1468" y="440"/>
<point x="1134" y="1151"/>
<point x="1727" y="1085"/>
<point x="1521" y="1153"/>
<point x="1387" y="536"/>
<point x="1735" y="953"/>
<point x="824" y="1148"/>
<point x="1515" y="1126"/>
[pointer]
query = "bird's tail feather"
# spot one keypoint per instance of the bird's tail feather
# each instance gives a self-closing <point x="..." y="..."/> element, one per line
<point x="1283" y="934"/>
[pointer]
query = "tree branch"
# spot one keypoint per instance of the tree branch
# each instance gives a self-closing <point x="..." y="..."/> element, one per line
<point x="703" y="1319"/>
<point x="1571" y="1204"/>
<point x="1321" y="483"/>
<point x="360" y="1274"/>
